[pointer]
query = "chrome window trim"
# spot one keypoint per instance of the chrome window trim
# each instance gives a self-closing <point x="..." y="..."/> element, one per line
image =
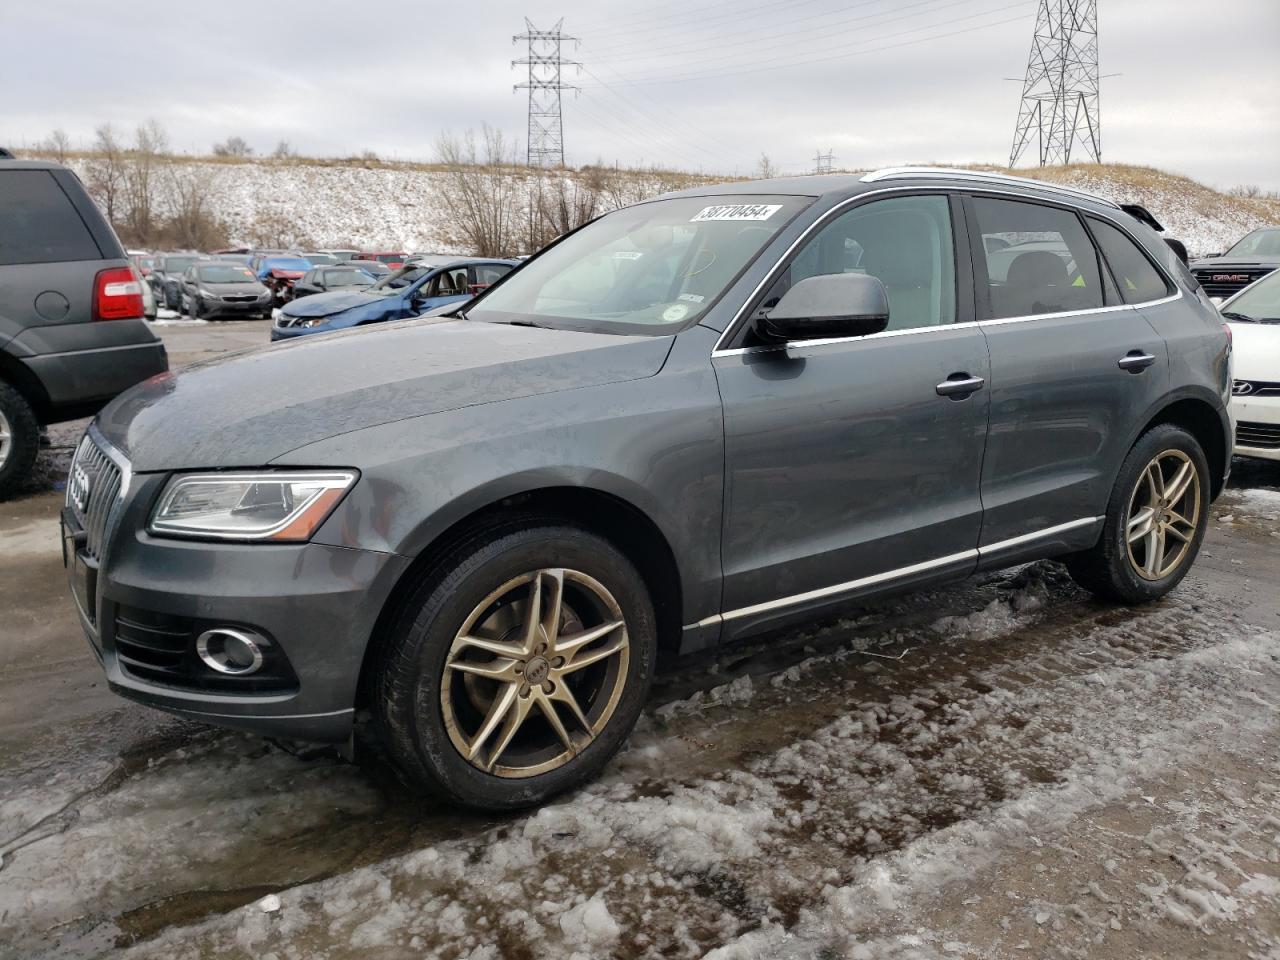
<point x="980" y="176"/>
<point x="731" y="327"/>
<point x="890" y="575"/>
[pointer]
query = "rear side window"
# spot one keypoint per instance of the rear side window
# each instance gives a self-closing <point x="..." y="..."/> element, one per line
<point x="487" y="273"/>
<point x="38" y="223"/>
<point x="1039" y="259"/>
<point x="1134" y="274"/>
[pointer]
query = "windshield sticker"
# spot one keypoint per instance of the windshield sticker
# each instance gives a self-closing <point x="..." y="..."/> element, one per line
<point x="737" y="211"/>
<point x="628" y="255"/>
<point x="677" y="311"/>
<point x="691" y="297"/>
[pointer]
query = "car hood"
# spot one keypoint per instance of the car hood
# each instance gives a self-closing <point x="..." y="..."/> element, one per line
<point x="1255" y="353"/>
<point x="323" y="304"/>
<point x="246" y="409"/>
<point x="222" y="289"/>
<point x="1230" y="263"/>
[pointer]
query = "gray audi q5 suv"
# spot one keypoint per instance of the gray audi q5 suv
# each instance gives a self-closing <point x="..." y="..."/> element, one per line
<point x="695" y="419"/>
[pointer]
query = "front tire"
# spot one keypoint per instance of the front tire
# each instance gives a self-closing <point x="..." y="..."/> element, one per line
<point x="518" y="668"/>
<point x="1155" y="522"/>
<point x="19" y="439"/>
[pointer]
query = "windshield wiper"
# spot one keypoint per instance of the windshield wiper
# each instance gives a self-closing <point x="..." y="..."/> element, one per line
<point x="527" y="323"/>
<point x="1232" y="315"/>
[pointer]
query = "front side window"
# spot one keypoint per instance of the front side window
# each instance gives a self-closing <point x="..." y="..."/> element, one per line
<point x="906" y="242"/>
<point x="1039" y="259"/>
<point x="653" y="268"/>
<point x="448" y="283"/>
<point x="1138" y="280"/>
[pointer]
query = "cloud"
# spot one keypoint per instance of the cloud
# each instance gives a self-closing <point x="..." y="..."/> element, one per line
<point x="336" y="78"/>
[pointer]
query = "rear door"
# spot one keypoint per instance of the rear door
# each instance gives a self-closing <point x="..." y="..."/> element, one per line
<point x="853" y="463"/>
<point x="1073" y="369"/>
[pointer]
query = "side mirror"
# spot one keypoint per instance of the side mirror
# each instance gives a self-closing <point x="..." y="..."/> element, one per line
<point x="829" y="305"/>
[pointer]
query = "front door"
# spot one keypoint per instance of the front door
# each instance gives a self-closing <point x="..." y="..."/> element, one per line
<point x="850" y="464"/>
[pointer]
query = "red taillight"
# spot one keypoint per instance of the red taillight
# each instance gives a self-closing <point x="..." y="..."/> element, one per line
<point x="117" y="294"/>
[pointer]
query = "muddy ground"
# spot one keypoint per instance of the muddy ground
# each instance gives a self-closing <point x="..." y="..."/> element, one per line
<point x="1003" y="768"/>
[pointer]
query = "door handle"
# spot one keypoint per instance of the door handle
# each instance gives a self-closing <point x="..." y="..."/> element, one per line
<point x="959" y="385"/>
<point x="1135" y="361"/>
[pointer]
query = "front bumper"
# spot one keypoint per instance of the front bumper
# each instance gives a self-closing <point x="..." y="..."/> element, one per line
<point x="1257" y="423"/>
<point x="221" y="308"/>
<point x="317" y="603"/>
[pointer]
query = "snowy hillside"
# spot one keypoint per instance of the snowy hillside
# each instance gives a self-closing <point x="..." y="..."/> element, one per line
<point x="398" y="206"/>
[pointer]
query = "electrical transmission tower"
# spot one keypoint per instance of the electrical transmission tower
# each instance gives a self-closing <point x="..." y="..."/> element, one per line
<point x="822" y="162"/>
<point x="546" y="124"/>
<point x="1059" y="109"/>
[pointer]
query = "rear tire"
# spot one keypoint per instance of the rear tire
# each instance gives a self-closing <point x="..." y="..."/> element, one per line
<point x="1154" y="525"/>
<point x="19" y="439"/>
<point x="438" y="691"/>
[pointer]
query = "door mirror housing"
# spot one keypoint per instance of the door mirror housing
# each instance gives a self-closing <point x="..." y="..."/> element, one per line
<point x="829" y="305"/>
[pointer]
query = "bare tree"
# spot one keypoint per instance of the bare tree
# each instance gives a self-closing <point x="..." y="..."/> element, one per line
<point x="559" y="201"/>
<point x="283" y="151"/>
<point x="481" y="189"/>
<point x="106" y="171"/>
<point x="233" y="147"/>
<point x="58" y="145"/>
<point x="766" y="170"/>
<point x="150" y="144"/>
<point x="193" y="224"/>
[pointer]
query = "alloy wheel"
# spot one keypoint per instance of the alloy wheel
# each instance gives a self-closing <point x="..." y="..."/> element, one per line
<point x="1164" y="514"/>
<point x="535" y="673"/>
<point x="6" y="439"/>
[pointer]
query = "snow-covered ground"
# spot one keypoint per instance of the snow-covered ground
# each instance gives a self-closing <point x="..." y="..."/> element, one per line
<point x="399" y="206"/>
<point x="1000" y="769"/>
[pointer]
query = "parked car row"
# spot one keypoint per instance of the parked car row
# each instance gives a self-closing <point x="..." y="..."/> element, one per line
<point x="169" y="282"/>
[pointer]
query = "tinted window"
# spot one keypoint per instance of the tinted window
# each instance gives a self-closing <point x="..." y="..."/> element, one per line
<point x="491" y="273"/>
<point x="905" y="241"/>
<point x="1137" y="279"/>
<point x="1039" y="259"/>
<point x="38" y="223"/>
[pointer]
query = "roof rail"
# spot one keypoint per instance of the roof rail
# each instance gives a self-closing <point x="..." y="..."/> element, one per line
<point x="901" y="173"/>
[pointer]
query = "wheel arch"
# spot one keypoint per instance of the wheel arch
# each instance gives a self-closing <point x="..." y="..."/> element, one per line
<point x="617" y="519"/>
<point x="19" y="376"/>
<point x="1202" y="419"/>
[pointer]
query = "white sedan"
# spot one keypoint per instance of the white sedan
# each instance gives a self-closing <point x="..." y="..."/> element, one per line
<point x="1254" y="315"/>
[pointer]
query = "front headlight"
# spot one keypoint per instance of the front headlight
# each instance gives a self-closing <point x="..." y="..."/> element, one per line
<point x="275" y="506"/>
<point x="312" y="322"/>
<point x="208" y="293"/>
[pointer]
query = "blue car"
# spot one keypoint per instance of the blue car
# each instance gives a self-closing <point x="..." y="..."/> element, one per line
<point x="408" y="292"/>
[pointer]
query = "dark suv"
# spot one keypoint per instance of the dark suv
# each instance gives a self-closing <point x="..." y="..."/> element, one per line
<point x="71" y="329"/>
<point x="695" y="419"/>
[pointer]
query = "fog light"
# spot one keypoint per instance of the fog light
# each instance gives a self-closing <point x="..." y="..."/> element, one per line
<point x="231" y="650"/>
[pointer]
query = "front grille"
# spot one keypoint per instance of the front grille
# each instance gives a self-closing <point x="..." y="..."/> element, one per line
<point x="1264" y="435"/>
<point x="1223" y="282"/>
<point x="93" y="492"/>
<point x="1255" y="388"/>
<point x="160" y="648"/>
<point x="240" y="298"/>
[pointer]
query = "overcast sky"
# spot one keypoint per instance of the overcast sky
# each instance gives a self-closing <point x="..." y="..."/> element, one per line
<point x="707" y="84"/>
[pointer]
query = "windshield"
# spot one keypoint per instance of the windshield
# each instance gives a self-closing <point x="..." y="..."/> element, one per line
<point x="1260" y="243"/>
<point x="646" y="269"/>
<point x="178" y="264"/>
<point x="347" y="278"/>
<point x="399" y="279"/>
<point x="225" y="273"/>
<point x="391" y="257"/>
<point x="1259" y="301"/>
<point x="319" y="259"/>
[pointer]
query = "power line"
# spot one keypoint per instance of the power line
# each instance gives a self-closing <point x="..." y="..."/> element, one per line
<point x="822" y="162"/>
<point x="856" y="49"/>
<point x="546" y="120"/>
<point x="1060" y="93"/>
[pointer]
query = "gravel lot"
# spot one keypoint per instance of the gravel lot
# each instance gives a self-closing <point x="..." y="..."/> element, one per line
<point x="1003" y="768"/>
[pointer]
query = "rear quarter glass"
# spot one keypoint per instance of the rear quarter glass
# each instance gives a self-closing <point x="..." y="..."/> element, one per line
<point x="38" y="221"/>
